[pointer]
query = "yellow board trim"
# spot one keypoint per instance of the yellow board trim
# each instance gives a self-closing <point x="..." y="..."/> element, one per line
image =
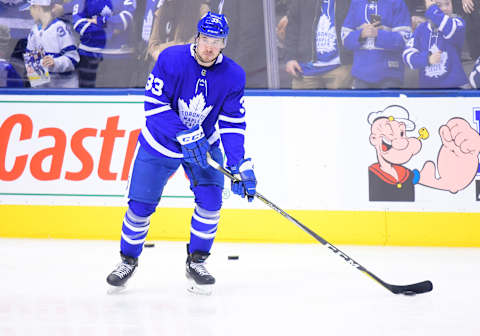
<point x="338" y="227"/>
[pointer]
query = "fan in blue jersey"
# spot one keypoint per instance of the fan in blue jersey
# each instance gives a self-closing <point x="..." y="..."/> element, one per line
<point x="376" y="31"/>
<point x="315" y="57"/>
<point x="191" y="89"/>
<point x="475" y="75"/>
<point x="8" y="75"/>
<point x="106" y="36"/>
<point x="52" y="37"/>
<point x="436" y="46"/>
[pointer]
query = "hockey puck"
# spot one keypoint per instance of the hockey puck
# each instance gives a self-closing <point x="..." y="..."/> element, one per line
<point x="149" y="245"/>
<point x="233" y="257"/>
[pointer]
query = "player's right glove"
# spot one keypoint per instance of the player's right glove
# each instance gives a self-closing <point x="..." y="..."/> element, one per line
<point x="194" y="146"/>
<point x="243" y="171"/>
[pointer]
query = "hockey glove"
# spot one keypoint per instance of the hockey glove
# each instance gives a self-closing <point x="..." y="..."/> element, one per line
<point x="247" y="184"/>
<point x="194" y="146"/>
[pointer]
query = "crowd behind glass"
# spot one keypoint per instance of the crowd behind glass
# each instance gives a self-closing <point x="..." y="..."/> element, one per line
<point x="320" y="44"/>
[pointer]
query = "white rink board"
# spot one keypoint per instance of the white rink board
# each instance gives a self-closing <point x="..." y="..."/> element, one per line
<point x="309" y="152"/>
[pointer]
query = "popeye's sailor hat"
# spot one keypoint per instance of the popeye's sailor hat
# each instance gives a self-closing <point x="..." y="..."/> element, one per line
<point x="393" y="112"/>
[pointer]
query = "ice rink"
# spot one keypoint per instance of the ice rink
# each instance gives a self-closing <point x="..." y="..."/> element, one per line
<point x="57" y="287"/>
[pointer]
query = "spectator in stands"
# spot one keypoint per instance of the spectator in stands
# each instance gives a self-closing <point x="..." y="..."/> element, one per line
<point x="436" y="47"/>
<point x="376" y="31"/>
<point x="62" y="9"/>
<point x="52" y="39"/>
<point x="246" y="40"/>
<point x="316" y="58"/>
<point x="471" y="13"/>
<point x="475" y="75"/>
<point x="8" y="76"/>
<point x="106" y="32"/>
<point x="416" y="8"/>
<point x="145" y="17"/>
<point x="175" y="23"/>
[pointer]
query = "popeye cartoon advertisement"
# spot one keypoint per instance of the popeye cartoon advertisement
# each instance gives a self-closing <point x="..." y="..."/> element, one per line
<point x="396" y="139"/>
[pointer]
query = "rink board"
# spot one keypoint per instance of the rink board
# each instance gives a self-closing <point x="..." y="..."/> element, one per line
<point x="338" y="227"/>
<point x="65" y="161"/>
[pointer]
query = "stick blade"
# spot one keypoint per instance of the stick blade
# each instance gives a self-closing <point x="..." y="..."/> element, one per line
<point x="413" y="289"/>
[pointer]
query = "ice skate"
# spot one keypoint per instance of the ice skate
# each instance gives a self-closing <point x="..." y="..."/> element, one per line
<point x="200" y="280"/>
<point x="123" y="271"/>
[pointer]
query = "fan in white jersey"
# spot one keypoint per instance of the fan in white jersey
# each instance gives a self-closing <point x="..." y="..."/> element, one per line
<point x="54" y="38"/>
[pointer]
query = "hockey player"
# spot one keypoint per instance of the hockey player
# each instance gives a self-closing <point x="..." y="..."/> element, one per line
<point x="190" y="89"/>
<point x="475" y="75"/>
<point x="376" y="32"/>
<point x="435" y="49"/>
<point x="54" y="38"/>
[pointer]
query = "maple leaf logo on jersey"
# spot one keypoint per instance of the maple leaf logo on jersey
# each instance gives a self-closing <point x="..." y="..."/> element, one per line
<point x="326" y="35"/>
<point x="437" y="70"/>
<point x="195" y="112"/>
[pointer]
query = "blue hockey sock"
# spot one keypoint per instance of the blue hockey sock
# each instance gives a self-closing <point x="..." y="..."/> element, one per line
<point x="203" y="229"/>
<point x="134" y="232"/>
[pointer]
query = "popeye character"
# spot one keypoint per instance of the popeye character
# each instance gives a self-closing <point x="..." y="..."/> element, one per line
<point x="389" y="180"/>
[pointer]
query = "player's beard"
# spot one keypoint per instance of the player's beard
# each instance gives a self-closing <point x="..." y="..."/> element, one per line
<point x="204" y="61"/>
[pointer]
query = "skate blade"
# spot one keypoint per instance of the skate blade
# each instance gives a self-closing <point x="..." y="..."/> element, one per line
<point x="194" y="288"/>
<point x="112" y="290"/>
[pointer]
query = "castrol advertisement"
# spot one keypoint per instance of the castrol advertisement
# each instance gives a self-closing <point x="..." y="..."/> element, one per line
<point x="367" y="153"/>
<point x="71" y="151"/>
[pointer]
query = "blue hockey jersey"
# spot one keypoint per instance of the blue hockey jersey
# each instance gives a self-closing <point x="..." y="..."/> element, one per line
<point x="475" y="75"/>
<point x="112" y="34"/>
<point x="150" y="7"/>
<point x="447" y="35"/>
<point x="380" y="58"/>
<point x="180" y="94"/>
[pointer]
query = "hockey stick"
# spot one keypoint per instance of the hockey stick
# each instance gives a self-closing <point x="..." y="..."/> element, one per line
<point x="416" y="288"/>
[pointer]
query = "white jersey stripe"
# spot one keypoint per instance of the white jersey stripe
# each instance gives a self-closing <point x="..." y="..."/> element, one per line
<point x="214" y="137"/>
<point x="85" y="28"/>
<point x="157" y="110"/>
<point x="472" y="79"/>
<point x="232" y="120"/>
<point x="443" y="23"/>
<point x="78" y="22"/>
<point x="454" y="28"/>
<point x="152" y="100"/>
<point x="232" y="130"/>
<point x="159" y="148"/>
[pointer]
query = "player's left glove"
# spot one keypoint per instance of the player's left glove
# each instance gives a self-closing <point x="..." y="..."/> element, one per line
<point x="194" y="146"/>
<point x="248" y="183"/>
